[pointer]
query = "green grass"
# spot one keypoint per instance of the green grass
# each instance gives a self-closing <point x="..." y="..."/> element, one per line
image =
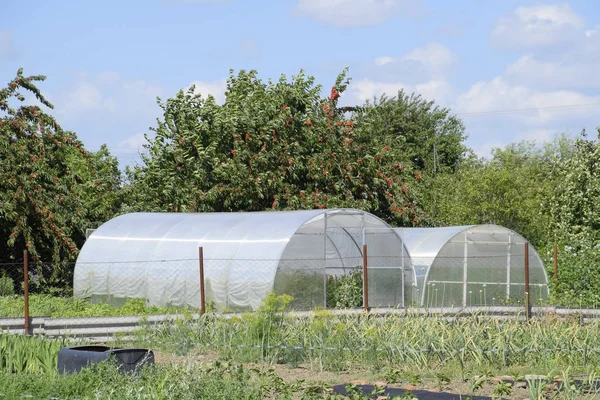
<point x="413" y="343"/>
<point x="185" y="382"/>
<point x="409" y="349"/>
<point x="220" y="380"/>
<point x="66" y="307"/>
<point x="28" y="354"/>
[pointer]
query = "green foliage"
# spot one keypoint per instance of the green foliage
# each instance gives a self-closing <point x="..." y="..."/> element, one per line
<point x="575" y="226"/>
<point x="503" y="389"/>
<point x="275" y="146"/>
<point x="264" y="325"/>
<point x="345" y="291"/>
<point x="305" y="288"/>
<point x="53" y="189"/>
<point x="432" y="138"/>
<point x="441" y="380"/>
<point x="511" y="189"/>
<point x="63" y="307"/>
<point x="396" y="344"/>
<point x="219" y="380"/>
<point x="20" y="354"/>
<point x="281" y="146"/>
<point x="50" y="182"/>
<point x="7" y="285"/>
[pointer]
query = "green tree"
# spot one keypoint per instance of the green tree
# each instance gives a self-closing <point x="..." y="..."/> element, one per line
<point x="511" y="189"/>
<point x="431" y="137"/>
<point x="52" y="188"/>
<point x="575" y="224"/>
<point x="271" y="146"/>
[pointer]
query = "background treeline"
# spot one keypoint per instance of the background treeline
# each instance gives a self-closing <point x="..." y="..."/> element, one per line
<point x="282" y="145"/>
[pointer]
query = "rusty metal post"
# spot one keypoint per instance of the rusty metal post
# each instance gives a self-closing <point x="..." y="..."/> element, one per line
<point x="527" y="304"/>
<point x="202" y="297"/>
<point x="26" y="291"/>
<point x="555" y="263"/>
<point x="365" y="280"/>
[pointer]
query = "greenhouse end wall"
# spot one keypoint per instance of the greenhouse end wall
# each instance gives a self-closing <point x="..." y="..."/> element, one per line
<point x="480" y="265"/>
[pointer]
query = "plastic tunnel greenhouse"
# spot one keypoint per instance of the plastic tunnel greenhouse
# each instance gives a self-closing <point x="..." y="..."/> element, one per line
<point x="478" y="265"/>
<point x="155" y="256"/>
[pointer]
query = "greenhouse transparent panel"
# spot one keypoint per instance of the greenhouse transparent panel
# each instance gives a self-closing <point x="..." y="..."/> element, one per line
<point x="517" y="268"/>
<point x="538" y="294"/>
<point x="385" y="287"/>
<point x="475" y="265"/>
<point x="487" y="262"/>
<point x="443" y="295"/>
<point x="444" y="282"/>
<point x="301" y="271"/>
<point x="389" y="271"/>
<point x="485" y="294"/>
<point x="304" y="281"/>
<point x="536" y="270"/>
<point x="154" y="256"/>
<point x="448" y="265"/>
<point x="343" y="252"/>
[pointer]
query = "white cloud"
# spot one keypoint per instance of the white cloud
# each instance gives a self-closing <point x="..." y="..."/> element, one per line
<point x="108" y="92"/>
<point x="215" y="89"/>
<point x="134" y="143"/>
<point x="434" y="58"/>
<point x="576" y="72"/>
<point x="107" y="77"/>
<point x="367" y="89"/>
<point x="380" y="61"/>
<point x="550" y="88"/>
<point x="537" y="107"/>
<point x="423" y="69"/>
<point x="539" y="135"/>
<point x="355" y="12"/>
<point x="484" y="150"/>
<point x="592" y="43"/>
<point x="86" y="96"/>
<point x="7" y="46"/>
<point x="538" y="26"/>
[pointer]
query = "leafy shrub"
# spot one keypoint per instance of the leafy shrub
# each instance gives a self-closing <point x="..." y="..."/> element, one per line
<point x="579" y="274"/>
<point x="305" y="288"/>
<point x="28" y="354"/>
<point x="66" y="307"/>
<point x="345" y="291"/>
<point x="265" y="324"/>
<point x="7" y="285"/>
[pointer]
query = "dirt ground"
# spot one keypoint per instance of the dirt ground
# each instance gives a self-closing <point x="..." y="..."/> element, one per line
<point x="426" y="389"/>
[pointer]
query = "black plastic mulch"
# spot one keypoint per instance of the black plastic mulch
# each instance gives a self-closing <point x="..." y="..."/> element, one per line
<point x="420" y="394"/>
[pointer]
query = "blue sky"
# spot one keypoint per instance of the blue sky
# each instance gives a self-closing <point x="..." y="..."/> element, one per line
<point x="513" y="70"/>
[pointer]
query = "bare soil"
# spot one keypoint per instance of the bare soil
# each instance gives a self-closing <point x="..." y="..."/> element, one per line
<point x="460" y="389"/>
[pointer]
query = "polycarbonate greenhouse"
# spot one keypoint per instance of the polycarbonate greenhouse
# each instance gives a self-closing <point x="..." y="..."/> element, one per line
<point x="478" y="265"/>
<point x="154" y="256"/>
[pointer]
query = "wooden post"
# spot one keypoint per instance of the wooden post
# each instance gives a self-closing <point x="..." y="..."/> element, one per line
<point x="26" y="290"/>
<point x="365" y="280"/>
<point x="527" y="305"/>
<point x="202" y="298"/>
<point x="555" y="263"/>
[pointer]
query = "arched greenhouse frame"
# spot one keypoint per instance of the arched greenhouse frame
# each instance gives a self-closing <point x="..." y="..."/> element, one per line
<point x="475" y="265"/>
<point x="154" y="256"/>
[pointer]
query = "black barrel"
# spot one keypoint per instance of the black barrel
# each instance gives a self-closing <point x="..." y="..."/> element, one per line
<point x="75" y="358"/>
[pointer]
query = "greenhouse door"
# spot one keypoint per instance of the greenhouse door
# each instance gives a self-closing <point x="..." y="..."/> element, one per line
<point x="343" y="256"/>
<point x="389" y="272"/>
